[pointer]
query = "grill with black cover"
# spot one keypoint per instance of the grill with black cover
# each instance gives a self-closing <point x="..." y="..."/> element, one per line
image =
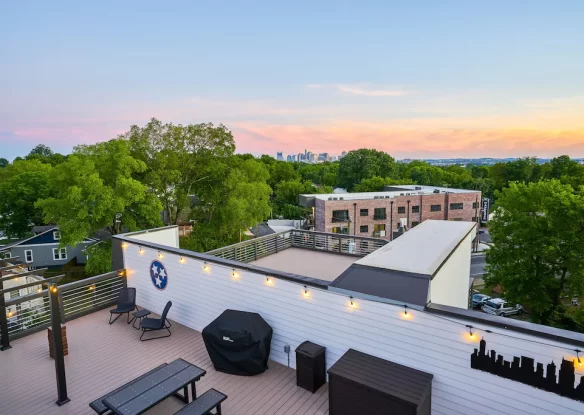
<point x="238" y="343"/>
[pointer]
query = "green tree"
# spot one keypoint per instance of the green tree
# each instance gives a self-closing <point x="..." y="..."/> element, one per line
<point x="377" y="184"/>
<point x="364" y="164"/>
<point x="95" y="189"/>
<point x="21" y="185"/>
<point x="99" y="259"/>
<point x="4" y="163"/>
<point x="285" y="202"/>
<point x="41" y="150"/>
<point x="538" y="240"/>
<point x="280" y="171"/>
<point x="179" y="159"/>
<point x="566" y="170"/>
<point x="235" y="199"/>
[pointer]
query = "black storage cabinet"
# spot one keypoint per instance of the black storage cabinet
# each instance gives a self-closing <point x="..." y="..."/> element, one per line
<point x="310" y="366"/>
<point x="363" y="384"/>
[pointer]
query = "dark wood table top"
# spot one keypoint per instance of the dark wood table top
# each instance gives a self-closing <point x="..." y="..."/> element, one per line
<point x="154" y="388"/>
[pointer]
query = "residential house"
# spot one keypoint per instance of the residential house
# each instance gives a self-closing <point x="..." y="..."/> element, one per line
<point x="43" y="251"/>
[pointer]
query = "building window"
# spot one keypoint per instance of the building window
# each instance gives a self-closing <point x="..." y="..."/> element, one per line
<point x="340" y="216"/>
<point x="59" y="253"/>
<point x="341" y="230"/>
<point x="379" y="213"/>
<point x="57" y="235"/>
<point x="415" y="224"/>
<point x="435" y="208"/>
<point x="415" y="209"/>
<point x="401" y="209"/>
<point x="364" y="228"/>
<point x="475" y="205"/>
<point x="379" y="229"/>
<point x="6" y="255"/>
<point x="456" y="219"/>
<point x="456" y="206"/>
<point x="364" y="212"/>
<point x="28" y="255"/>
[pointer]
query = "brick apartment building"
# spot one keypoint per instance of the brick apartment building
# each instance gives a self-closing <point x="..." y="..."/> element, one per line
<point x="382" y="214"/>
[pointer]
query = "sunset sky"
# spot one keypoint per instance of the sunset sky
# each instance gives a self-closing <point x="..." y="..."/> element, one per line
<point x="419" y="79"/>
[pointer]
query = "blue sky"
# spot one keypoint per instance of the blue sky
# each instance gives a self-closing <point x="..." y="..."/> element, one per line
<point x="416" y="79"/>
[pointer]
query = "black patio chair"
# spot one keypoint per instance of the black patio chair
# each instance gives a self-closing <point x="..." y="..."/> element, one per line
<point x="155" y="324"/>
<point x="126" y="304"/>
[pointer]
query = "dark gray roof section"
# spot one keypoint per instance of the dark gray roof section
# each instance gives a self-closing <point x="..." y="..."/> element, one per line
<point x="262" y="229"/>
<point x="42" y="228"/>
<point x="399" y="286"/>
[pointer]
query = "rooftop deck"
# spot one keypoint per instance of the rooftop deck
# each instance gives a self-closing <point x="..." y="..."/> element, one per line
<point x="322" y="265"/>
<point x="102" y="357"/>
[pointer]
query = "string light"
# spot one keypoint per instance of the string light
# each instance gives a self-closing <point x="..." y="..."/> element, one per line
<point x="91" y="287"/>
<point x="160" y="255"/>
<point x="205" y="266"/>
<point x="124" y="245"/>
<point x="10" y="313"/>
<point x="268" y="281"/>
<point x="182" y="259"/>
<point x="233" y="273"/>
<point x="305" y="291"/>
<point x="352" y="302"/>
<point x="405" y="313"/>
<point x="578" y="357"/>
<point x="141" y="250"/>
<point x="470" y="333"/>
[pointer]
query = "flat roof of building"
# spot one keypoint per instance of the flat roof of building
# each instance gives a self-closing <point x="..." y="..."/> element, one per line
<point x="421" y="250"/>
<point x="322" y="265"/>
<point x="399" y="190"/>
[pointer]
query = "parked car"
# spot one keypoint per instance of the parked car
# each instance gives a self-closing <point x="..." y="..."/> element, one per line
<point x="478" y="300"/>
<point x="499" y="307"/>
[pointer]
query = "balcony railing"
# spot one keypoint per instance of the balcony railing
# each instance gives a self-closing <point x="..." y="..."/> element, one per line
<point x="257" y="248"/>
<point x="31" y="313"/>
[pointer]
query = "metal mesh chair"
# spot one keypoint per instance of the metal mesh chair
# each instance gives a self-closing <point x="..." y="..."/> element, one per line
<point x="126" y="304"/>
<point x="155" y="324"/>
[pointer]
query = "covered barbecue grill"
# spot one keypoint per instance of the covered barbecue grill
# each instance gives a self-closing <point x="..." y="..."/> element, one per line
<point x="238" y="343"/>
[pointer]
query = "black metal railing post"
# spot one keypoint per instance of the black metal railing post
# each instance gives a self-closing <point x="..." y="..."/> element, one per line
<point x="56" y="317"/>
<point x="3" y="321"/>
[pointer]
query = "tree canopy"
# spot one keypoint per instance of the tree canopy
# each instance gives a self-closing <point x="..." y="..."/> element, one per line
<point x="538" y="240"/>
<point x="364" y="164"/>
<point x="96" y="189"/>
<point x="21" y="185"/>
<point x="179" y="159"/>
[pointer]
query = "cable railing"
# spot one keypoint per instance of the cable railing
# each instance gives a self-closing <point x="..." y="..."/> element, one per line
<point x="257" y="248"/>
<point x="31" y="313"/>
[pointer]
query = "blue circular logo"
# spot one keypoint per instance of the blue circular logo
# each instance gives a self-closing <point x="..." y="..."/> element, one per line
<point x="158" y="275"/>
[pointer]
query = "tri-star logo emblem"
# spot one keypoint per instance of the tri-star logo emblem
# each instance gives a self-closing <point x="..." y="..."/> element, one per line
<point x="158" y="275"/>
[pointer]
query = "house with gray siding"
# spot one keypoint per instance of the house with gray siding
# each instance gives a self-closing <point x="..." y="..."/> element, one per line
<point x="43" y="250"/>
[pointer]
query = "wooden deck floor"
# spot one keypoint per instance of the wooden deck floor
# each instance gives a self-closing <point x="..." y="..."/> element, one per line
<point x="102" y="357"/>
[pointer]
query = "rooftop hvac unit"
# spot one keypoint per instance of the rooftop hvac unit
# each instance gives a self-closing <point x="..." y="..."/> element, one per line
<point x="375" y="197"/>
<point x="352" y="247"/>
<point x="335" y="198"/>
<point x="436" y="191"/>
<point x="418" y="188"/>
<point x="401" y="194"/>
<point x="340" y="198"/>
<point x="330" y="198"/>
<point x="381" y="233"/>
<point x="387" y="197"/>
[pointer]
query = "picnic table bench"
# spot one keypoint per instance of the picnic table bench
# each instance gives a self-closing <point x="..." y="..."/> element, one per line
<point x="153" y="387"/>
<point x="204" y="404"/>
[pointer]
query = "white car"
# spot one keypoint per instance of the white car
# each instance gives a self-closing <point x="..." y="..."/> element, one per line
<point x="499" y="307"/>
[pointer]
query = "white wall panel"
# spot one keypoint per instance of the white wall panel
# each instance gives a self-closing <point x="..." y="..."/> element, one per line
<point x="425" y="341"/>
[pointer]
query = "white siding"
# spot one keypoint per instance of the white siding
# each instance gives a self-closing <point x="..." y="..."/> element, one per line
<point x="425" y="341"/>
<point x="165" y="236"/>
<point x="450" y="284"/>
